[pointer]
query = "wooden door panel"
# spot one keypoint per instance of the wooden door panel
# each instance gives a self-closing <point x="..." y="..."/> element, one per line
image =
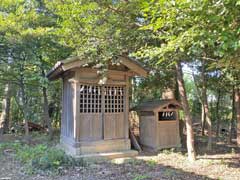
<point x="114" y="99"/>
<point x="120" y="125"/>
<point x="109" y="126"/>
<point x="90" y="118"/>
<point x="167" y="133"/>
<point x="90" y="127"/>
<point x="98" y="104"/>
<point x="113" y="125"/>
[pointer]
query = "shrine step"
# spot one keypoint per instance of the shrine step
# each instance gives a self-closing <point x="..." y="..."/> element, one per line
<point x="109" y="155"/>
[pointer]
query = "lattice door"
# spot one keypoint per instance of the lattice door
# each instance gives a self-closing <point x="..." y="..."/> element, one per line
<point x="114" y="112"/>
<point x="101" y="108"/>
<point x="90" y="101"/>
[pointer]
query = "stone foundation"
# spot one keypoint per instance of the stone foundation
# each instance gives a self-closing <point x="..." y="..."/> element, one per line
<point x="105" y="148"/>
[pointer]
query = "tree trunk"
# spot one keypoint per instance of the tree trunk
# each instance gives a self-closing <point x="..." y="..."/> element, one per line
<point x="181" y="129"/>
<point x="237" y="105"/>
<point x="24" y="107"/>
<point x="6" y="103"/>
<point x="217" y="113"/>
<point x="203" y="114"/>
<point x="206" y="107"/>
<point x="188" y="118"/>
<point x="46" y="113"/>
<point x="46" y="116"/>
<point x="133" y="90"/>
<point x="230" y="128"/>
<point x="203" y="118"/>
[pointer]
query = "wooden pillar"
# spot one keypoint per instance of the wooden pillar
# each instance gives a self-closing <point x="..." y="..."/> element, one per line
<point x="126" y="109"/>
<point x="63" y="106"/>
<point x="76" y="106"/>
<point x="102" y="109"/>
<point x="156" y="130"/>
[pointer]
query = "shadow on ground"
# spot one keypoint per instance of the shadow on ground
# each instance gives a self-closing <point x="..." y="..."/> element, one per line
<point x="140" y="169"/>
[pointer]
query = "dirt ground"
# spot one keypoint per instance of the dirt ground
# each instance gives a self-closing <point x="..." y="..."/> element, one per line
<point x="222" y="163"/>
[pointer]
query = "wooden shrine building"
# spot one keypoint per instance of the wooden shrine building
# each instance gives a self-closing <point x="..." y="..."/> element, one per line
<point x="159" y="124"/>
<point x="95" y="108"/>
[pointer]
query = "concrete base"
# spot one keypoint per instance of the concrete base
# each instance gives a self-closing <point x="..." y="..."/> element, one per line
<point x="109" y="149"/>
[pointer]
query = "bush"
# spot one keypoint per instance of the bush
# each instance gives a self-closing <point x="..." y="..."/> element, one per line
<point x="41" y="157"/>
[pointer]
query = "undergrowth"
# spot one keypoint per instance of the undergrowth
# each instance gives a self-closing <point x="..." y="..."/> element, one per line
<point x="40" y="157"/>
<point x="140" y="177"/>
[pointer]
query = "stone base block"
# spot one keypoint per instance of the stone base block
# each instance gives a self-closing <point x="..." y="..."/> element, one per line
<point x="109" y="155"/>
<point x="104" y="148"/>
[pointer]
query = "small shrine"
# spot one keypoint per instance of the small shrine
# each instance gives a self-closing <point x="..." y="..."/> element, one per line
<point x="95" y="109"/>
<point x="159" y="124"/>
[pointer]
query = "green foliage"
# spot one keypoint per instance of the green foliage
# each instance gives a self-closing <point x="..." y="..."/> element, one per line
<point x="29" y="48"/>
<point x="168" y="151"/>
<point x="13" y="146"/>
<point x="35" y="34"/>
<point x="41" y="157"/>
<point x="135" y="162"/>
<point x="140" y="177"/>
<point x="151" y="163"/>
<point x="169" y="172"/>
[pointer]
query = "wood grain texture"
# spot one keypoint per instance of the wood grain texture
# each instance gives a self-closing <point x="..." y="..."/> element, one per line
<point x="148" y="131"/>
<point x="114" y="125"/>
<point x="90" y="127"/>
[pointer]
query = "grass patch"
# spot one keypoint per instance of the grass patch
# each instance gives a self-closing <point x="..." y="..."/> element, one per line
<point x="140" y="177"/>
<point x="168" y="151"/>
<point x="151" y="163"/>
<point x="135" y="162"/>
<point x="169" y="173"/>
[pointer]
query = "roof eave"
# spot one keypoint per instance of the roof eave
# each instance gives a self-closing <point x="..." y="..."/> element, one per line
<point x="72" y="62"/>
<point x="55" y="72"/>
<point x="135" y="66"/>
<point x="155" y="107"/>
